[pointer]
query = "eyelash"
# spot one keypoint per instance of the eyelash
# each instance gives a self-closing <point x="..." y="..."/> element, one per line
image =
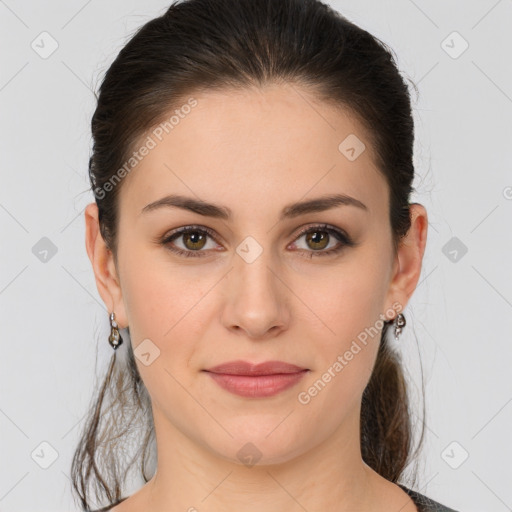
<point x="345" y="240"/>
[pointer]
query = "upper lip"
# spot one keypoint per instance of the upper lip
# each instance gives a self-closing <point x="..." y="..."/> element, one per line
<point x="246" y="368"/>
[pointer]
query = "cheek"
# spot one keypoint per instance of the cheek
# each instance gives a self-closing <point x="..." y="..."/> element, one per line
<point x="163" y="304"/>
<point x="346" y="328"/>
<point x="160" y="307"/>
<point x="346" y="299"/>
<point x="155" y="293"/>
<point x="146" y="293"/>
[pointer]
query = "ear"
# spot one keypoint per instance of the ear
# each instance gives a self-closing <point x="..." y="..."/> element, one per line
<point x="103" y="264"/>
<point x="407" y="267"/>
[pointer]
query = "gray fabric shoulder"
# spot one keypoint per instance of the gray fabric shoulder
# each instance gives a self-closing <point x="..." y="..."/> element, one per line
<point x="426" y="504"/>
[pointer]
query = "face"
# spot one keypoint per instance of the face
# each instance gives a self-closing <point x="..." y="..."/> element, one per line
<point x="265" y="282"/>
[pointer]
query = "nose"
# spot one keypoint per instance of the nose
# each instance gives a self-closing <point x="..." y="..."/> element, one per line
<point x="257" y="299"/>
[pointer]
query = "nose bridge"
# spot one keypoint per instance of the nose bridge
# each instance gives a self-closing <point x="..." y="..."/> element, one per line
<point x="253" y="264"/>
<point x="256" y="303"/>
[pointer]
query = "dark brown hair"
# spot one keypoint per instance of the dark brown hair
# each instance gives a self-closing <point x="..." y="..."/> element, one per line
<point x="225" y="44"/>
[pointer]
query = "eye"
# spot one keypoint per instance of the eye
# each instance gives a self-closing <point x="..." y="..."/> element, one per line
<point x="319" y="237"/>
<point x="195" y="238"/>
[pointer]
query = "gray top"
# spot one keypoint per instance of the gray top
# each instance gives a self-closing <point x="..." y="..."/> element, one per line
<point x="423" y="503"/>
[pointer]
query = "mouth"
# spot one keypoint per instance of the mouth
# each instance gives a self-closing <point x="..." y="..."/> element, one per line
<point x="256" y="380"/>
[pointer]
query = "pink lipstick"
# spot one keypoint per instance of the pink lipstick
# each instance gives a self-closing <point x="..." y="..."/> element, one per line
<point x="256" y="380"/>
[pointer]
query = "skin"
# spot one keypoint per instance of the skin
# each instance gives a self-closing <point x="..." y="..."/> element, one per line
<point x="256" y="151"/>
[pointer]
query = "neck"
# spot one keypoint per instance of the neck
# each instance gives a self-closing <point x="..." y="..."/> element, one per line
<point x="327" y="476"/>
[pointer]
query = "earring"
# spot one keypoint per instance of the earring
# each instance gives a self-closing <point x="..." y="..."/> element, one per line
<point x="115" y="339"/>
<point x="399" y="324"/>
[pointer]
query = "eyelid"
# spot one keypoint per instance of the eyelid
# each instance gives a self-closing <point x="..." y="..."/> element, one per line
<point x="167" y="238"/>
<point x="343" y="238"/>
<point x="340" y="234"/>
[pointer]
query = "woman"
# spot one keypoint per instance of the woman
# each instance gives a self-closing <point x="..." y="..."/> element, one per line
<point x="252" y="232"/>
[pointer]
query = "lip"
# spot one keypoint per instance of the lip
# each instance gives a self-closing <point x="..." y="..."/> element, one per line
<point x="246" y="368"/>
<point x="256" y="380"/>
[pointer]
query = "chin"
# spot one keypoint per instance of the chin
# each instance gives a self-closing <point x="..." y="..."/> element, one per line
<point x="260" y="446"/>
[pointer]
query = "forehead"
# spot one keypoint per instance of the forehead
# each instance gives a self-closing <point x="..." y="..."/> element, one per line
<point x="255" y="147"/>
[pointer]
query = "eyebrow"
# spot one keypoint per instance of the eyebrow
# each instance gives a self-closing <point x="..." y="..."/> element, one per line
<point x="290" y="211"/>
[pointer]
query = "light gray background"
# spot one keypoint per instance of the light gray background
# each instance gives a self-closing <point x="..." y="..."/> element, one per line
<point x="460" y="317"/>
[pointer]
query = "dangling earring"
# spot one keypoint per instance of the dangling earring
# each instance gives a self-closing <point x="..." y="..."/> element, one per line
<point x="115" y="339"/>
<point x="399" y="324"/>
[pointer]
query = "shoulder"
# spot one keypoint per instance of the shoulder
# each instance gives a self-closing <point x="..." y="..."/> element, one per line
<point x="424" y="503"/>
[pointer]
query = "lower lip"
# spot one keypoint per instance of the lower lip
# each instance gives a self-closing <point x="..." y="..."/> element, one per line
<point x="260" y="386"/>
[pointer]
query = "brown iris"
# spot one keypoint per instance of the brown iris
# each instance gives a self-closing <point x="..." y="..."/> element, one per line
<point x="317" y="238"/>
<point x="196" y="238"/>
